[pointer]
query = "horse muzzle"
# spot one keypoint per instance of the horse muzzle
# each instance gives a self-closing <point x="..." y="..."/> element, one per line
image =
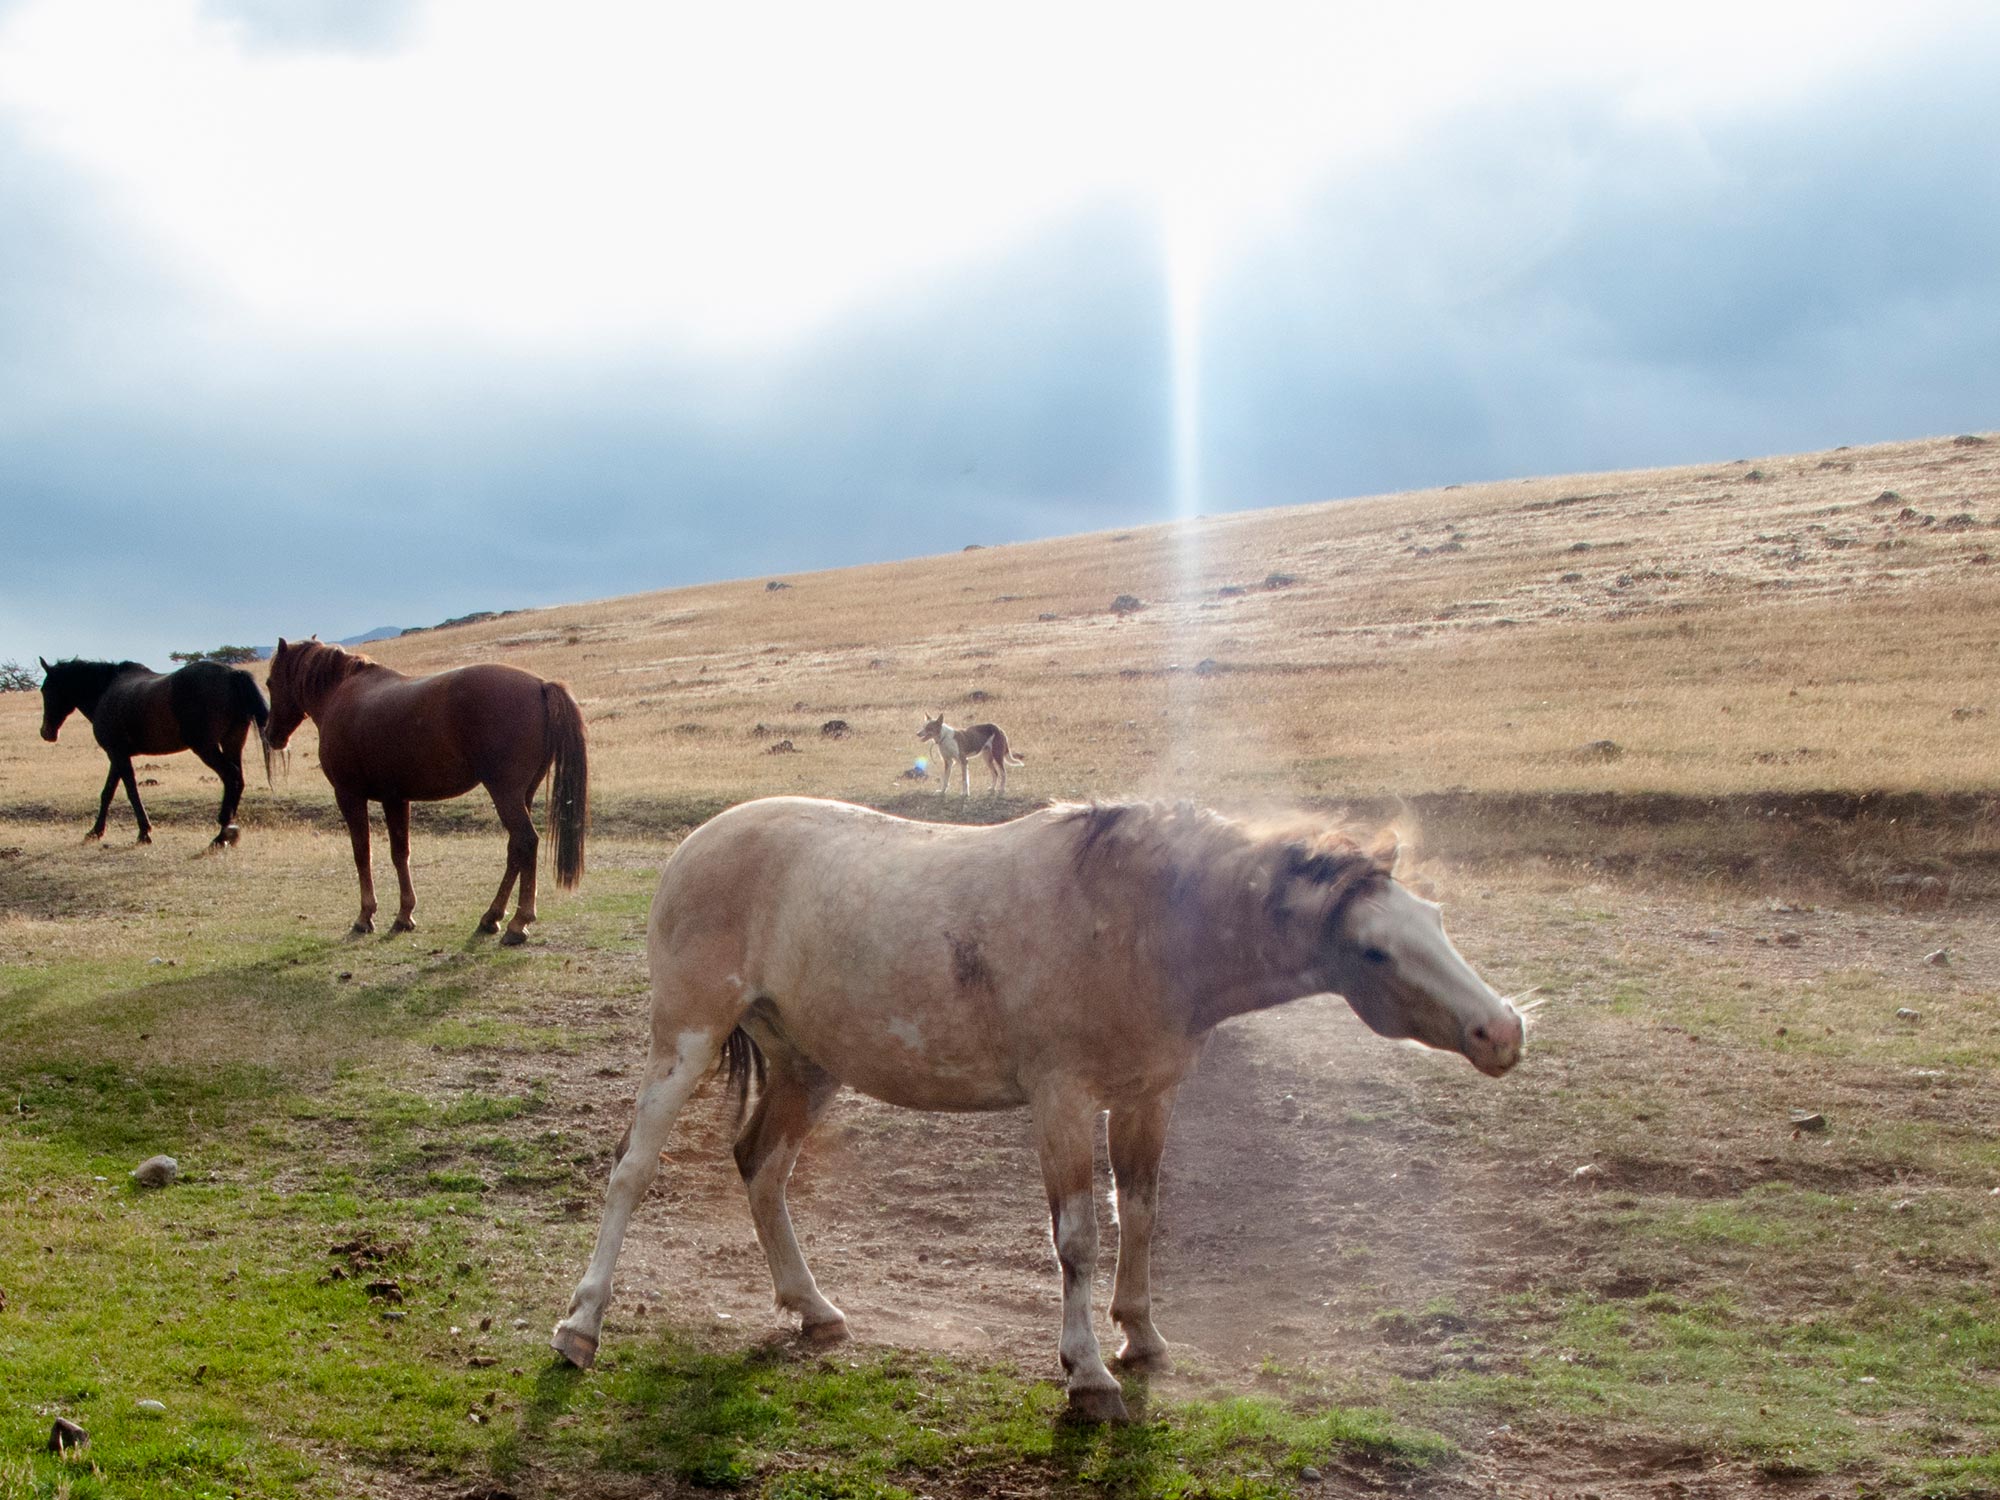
<point x="48" y="734"/>
<point x="1494" y="1046"/>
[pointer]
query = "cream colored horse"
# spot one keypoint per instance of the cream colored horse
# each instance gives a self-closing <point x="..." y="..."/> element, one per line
<point x="1070" y="961"/>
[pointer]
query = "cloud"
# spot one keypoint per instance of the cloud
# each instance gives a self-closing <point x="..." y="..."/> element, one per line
<point x="351" y="26"/>
<point x="1534" y="284"/>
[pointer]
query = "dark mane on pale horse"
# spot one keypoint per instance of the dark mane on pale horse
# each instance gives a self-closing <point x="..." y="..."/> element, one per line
<point x="1211" y="859"/>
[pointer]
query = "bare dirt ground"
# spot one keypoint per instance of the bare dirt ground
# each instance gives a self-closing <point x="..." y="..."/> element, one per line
<point x="1351" y="1213"/>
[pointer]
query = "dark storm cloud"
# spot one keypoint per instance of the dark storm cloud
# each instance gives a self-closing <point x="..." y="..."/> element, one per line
<point x="1572" y="289"/>
<point x="1540" y="286"/>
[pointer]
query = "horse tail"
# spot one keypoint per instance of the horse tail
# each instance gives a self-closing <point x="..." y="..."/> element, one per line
<point x="249" y="701"/>
<point x="742" y="1060"/>
<point x="569" y="788"/>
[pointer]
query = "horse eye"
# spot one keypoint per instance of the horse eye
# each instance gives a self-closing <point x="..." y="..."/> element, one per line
<point x="1374" y="955"/>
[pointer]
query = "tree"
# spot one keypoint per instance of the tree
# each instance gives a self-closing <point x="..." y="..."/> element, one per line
<point x="228" y="655"/>
<point x="15" y="678"/>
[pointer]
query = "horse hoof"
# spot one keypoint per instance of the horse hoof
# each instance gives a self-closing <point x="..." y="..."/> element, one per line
<point x="402" y="924"/>
<point x="1098" y="1406"/>
<point x="512" y="939"/>
<point x="578" y="1348"/>
<point x="1144" y="1361"/>
<point x="229" y="835"/>
<point x="828" y="1331"/>
<point x="145" y="838"/>
<point x="488" y="926"/>
<point x="362" y="927"/>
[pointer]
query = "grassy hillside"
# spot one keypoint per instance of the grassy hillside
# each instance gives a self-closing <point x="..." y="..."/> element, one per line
<point x="1621" y="1271"/>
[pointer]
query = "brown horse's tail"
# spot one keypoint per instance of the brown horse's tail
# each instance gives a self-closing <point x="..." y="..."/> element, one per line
<point x="569" y="787"/>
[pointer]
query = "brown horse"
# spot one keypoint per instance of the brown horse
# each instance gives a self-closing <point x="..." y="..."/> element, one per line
<point x="1071" y="961"/>
<point x="387" y="738"/>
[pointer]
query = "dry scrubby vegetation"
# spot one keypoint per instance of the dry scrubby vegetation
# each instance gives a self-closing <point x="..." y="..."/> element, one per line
<point x="1706" y="753"/>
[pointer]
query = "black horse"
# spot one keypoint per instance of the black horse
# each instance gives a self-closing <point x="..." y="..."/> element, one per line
<point x="204" y="707"/>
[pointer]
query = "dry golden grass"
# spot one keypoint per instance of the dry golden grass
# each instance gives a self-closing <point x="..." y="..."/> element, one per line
<point x="1819" y="621"/>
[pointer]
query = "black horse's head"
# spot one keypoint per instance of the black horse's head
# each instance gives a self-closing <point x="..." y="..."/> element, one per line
<point x="60" y="696"/>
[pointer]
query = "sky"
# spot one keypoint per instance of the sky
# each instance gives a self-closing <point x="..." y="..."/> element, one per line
<point x="328" y="315"/>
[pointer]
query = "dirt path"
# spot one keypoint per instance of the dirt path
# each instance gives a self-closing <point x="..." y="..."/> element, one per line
<point x="1347" y="1211"/>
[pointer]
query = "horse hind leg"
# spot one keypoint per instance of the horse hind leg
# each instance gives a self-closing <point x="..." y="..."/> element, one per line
<point x="228" y="767"/>
<point x="673" y="1068"/>
<point x="792" y="1102"/>
<point x="523" y="848"/>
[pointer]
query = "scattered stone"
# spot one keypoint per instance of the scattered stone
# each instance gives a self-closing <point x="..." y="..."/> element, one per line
<point x="915" y="773"/>
<point x="1127" y="604"/>
<point x="1904" y="1013"/>
<point x="834" y="729"/>
<point x="1231" y="591"/>
<point x="1045" y="617"/>
<point x="1790" y="939"/>
<point x="1279" y="580"/>
<point x="520" y="1322"/>
<point x="1941" y="957"/>
<point x="1968" y="440"/>
<point x="973" y="547"/>
<point x="1809" y="1121"/>
<point x="774" y="585"/>
<point x="1962" y="714"/>
<point x="1311" y="1475"/>
<point x="1601" y="750"/>
<point x="156" y="1171"/>
<point x="761" y="731"/>
<point x="156" y="1408"/>
<point x="66" y="1435"/>
<point x="1588" y="1172"/>
<point x="1208" y="666"/>
<point x="979" y="695"/>
<point x="783" y="747"/>
<point x="481" y="1361"/>
<point x="1888" y="497"/>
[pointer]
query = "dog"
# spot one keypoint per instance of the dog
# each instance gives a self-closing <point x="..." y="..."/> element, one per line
<point x="987" y="742"/>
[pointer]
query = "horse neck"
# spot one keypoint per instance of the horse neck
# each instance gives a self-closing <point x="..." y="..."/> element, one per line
<point x="89" y="680"/>
<point x="314" y="680"/>
<point x="1228" y="953"/>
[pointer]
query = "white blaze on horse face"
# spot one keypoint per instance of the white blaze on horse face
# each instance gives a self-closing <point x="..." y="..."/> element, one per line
<point x="1404" y="978"/>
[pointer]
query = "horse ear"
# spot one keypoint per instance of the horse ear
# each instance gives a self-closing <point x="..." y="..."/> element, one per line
<point x="281" y="649"/>
<point x="44" y="661"/>
<point x="1386" y="850"/>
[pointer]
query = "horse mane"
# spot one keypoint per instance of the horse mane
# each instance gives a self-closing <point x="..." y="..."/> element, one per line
<point x="1219" y="865"/>
<point x="314" y="667"/>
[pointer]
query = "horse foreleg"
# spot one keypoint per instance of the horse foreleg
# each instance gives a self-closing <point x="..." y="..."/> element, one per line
<point x="111" y="780"/>
<point x="1063" y="1129"/>
<point x="396" y="818"/>
<point x="523" y="849"/>
<point x="765" y="1153"/>
<point x="669" y="1079"/>
<point x="1138" y="1139"/>
<point x="354" y="808"/>
<point x="124" y="773"/>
